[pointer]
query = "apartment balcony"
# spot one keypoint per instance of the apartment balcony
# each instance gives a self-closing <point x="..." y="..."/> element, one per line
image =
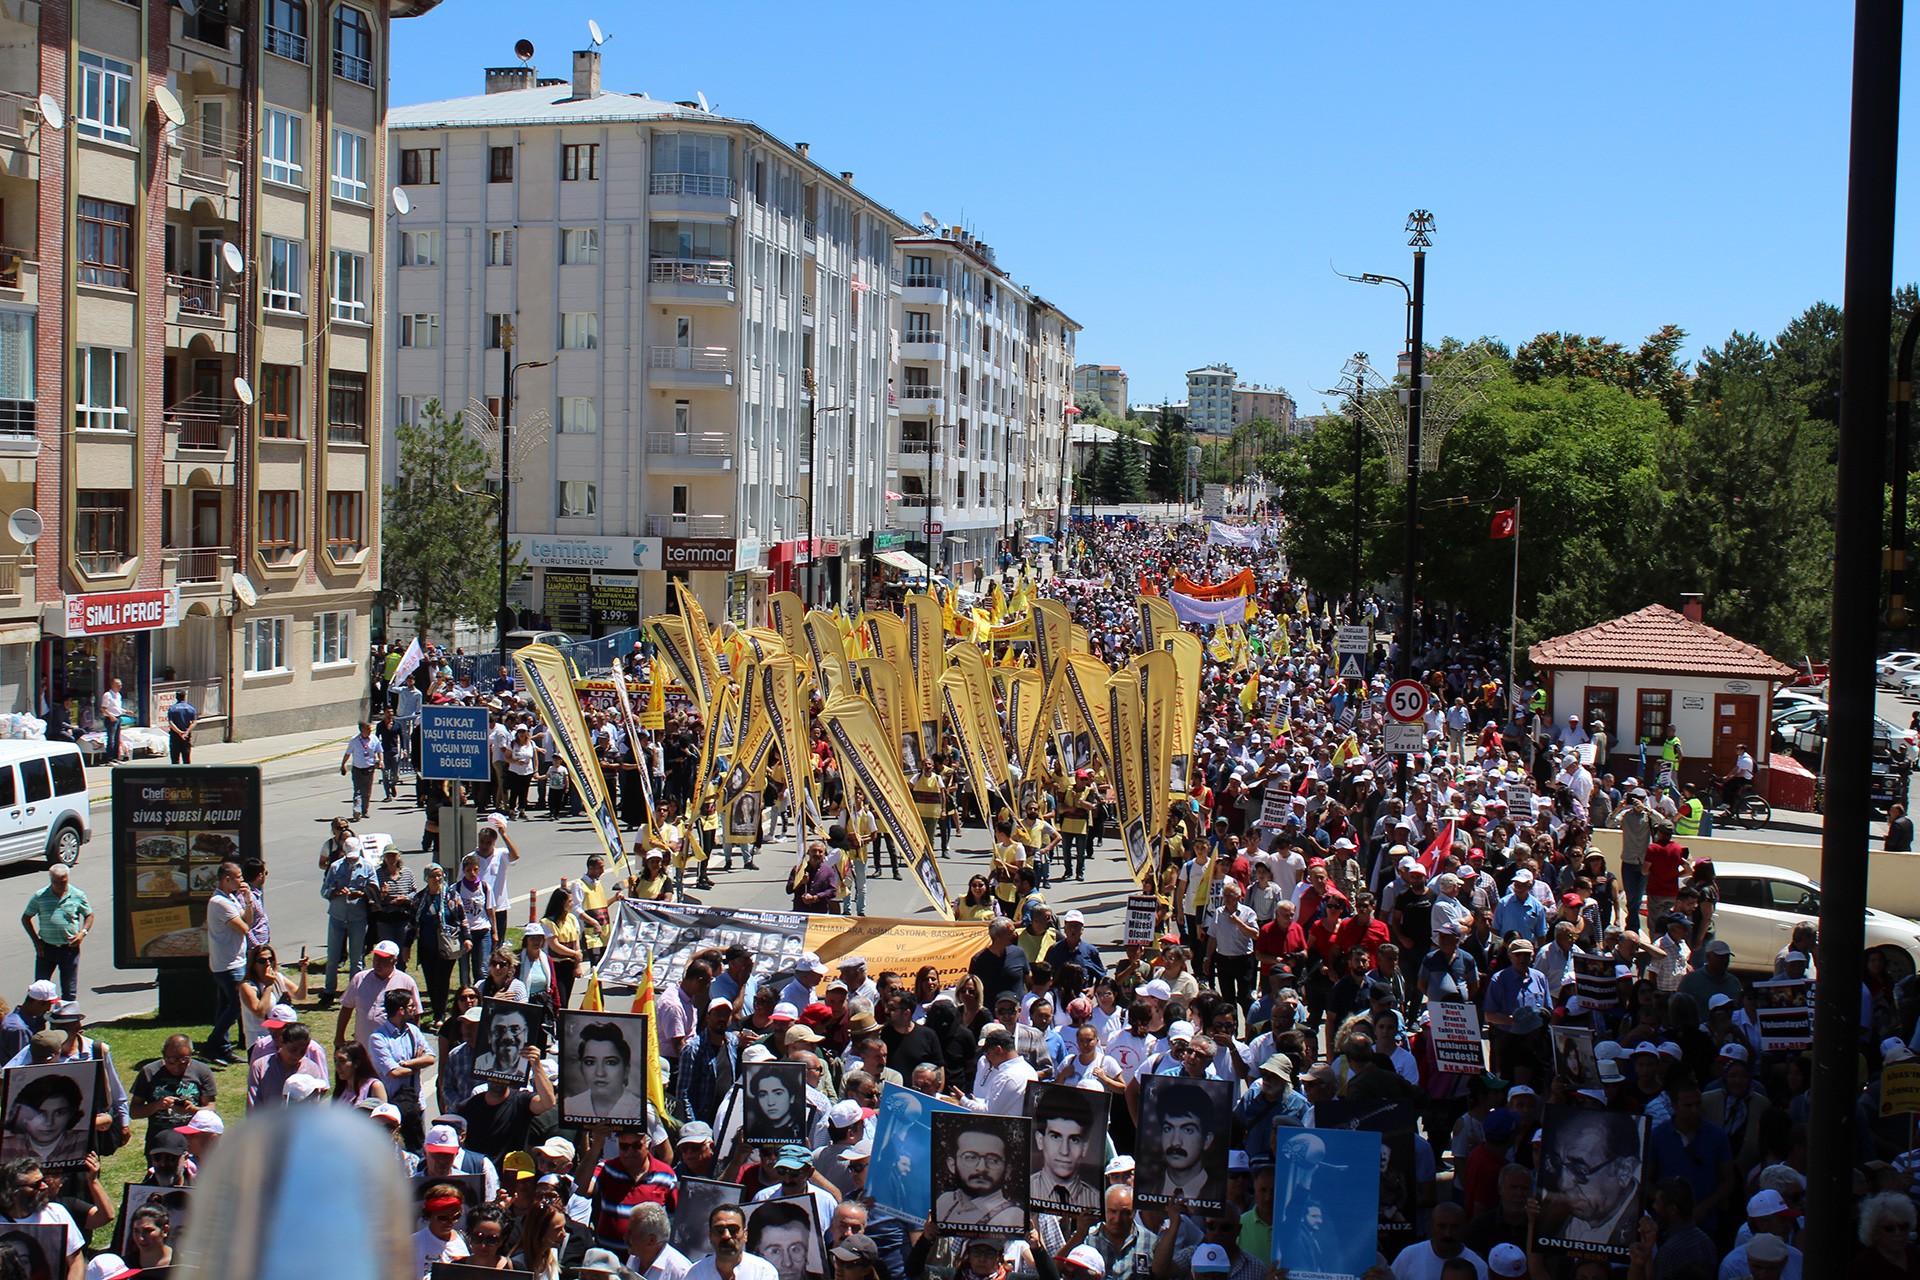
<point x="921" y="398"/>
<point x="910" y="455"/>
<point x="923" y="344"/>
<point x="21" y="130"/>
<point x="202" y="309"/>
<point x="698" y="280"/>
<point x="199" y="572"/>
<point x="201" y="435"/>
<point x="204" y="162"/>
<point x="922" y="287"/>
<point x="19" y="274"/>
<point x="806" y="310"/>
<point x="693" y="368"/>
<point x="16" y="581"/>
<point x="689" y="453"/>
<point x="810" y="236"/>
<point x="692" y="195"/>
<point x="689" y="526"/>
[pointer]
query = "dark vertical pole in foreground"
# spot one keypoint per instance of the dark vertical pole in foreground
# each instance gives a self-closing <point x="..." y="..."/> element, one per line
<point x="1410" y="572"/>
<point x="1866" y="336"/>
<point x="1359" y="453"/>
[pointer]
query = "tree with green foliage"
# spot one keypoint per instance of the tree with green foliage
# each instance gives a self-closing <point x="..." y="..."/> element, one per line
<point x="440" y="541"/>
<point x="1653" y="372"/>
<point x="1167" y="463"/>
<point x="1121" y="476"/>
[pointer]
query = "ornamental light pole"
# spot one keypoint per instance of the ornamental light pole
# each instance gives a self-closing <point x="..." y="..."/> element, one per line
<point x="504" y="619"/>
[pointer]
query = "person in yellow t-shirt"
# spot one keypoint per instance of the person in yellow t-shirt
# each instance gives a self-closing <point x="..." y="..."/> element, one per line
<point x="1043" y="838"/>
<point x="1009" y="857"/>
<point x="1076" y="819"/>
<point x="653" y="884"/>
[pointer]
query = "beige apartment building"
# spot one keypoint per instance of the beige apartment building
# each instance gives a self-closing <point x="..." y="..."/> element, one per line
<point x="190" y="326"/>
<point x="1270" y="404"/>
<point x="1106" y="383"/>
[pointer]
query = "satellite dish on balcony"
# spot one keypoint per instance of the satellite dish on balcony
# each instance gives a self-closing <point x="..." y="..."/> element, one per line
<point x="50" y="112"/>
<point x="599" y="36"/>
<point x="169" y="105"/>
<point x="190" y="7"/>
<point x="25" y="526"/>
<point x="402" y="202"/>
<point x="243" y="590"/>
<point x="243" y="391"/>
<point x="231" y="255"/>
<point x="701" y="98"/>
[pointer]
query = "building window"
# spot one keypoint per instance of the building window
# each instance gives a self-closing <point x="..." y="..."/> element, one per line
<point x="266" y="646"/>
<point x="350" y="165"/>
<point x="499" y="329"/>
<point x="103" y="383"/>
<point x="286" y="269"/>
<point x="580" y="162"/>
<point x="279" y="401"/>
<point x="406" y="410"/>
<point x="16" y="373"/>
<point x="100" y="529"/>
<point x="579" y="499"/>
<point x="105" y="251"/>
<point x="499" y="248"/>
<point x="579" y="246"/>
<point x="1602" y="704"/>
<point x="280" y="151"/>
<point x="279" y="532"/>
<point x="420" y="167"/>
<point x="579" y="415"/>
<point x="499" y="164"/>
<point x="347" y="407"/>
<point x="287" y="29"/>
<point x="419" y="248"/>
<point x="333" y="638"/>
<point x="1656" y="716"/>
<point x="105" y="108"/>
<point x="349" y="286"/>
<point x="580" y="330"/>
<point x="352" y="45"/>
<point x="346" y="524"/>
<point x="420" y="329"/>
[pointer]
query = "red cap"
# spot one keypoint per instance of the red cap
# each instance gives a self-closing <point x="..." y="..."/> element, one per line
<point x="1570" y="900"/>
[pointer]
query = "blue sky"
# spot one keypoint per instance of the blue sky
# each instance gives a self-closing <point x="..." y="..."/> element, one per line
<point x="1179" y="177"/>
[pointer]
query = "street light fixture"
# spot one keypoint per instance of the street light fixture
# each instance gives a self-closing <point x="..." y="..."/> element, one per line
<point x="503" y="618"/>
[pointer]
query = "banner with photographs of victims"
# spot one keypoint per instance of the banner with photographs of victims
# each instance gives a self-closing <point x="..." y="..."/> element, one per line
<point x="787" y="1233"/>
<point x="49" y="1110"/>
<point x="1183" y="1141"/>
<point x="1068" y="1160"/>
<point x="899" y="1173"/>
<point x="1596" y="982"/>
<point x="39" y="1248"/>
<point x="1785" y="1015"/>
<point x="980" y="1174"/>
<point x="699" y="1197"/>
<point x="1588" y="1179"/>
<point x="773" y="1108"/>
<point x="603" y="1067"/>
<point x="1326" y="1202"/>
<point x="506" y="1030"/>
<point x="1573" y="1057"/>
<point x="171" y="1201"/>
<point x="1398" y="1182"/>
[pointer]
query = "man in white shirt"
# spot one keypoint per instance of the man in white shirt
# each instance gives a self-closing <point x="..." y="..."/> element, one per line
<point x="1230" y="935"/>
<point x="649" y="1254"/>
<point x="26" y="1198"/>
<point x="727" y="1233"/>
<point x="112" y="707"/>
<point x="1001" y="1087"/>
<point x="496" y="851"/>
<point x="1423" y="1259"/>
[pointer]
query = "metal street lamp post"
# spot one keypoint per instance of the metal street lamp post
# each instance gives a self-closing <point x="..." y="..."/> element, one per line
<point x="504" y="619"/>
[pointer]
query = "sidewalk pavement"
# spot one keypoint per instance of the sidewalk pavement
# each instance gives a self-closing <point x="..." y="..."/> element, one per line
<point x="286" y="756"/>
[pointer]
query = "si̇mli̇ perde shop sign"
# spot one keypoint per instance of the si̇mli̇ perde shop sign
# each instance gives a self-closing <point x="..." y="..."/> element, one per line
<point x="100" y="613"/>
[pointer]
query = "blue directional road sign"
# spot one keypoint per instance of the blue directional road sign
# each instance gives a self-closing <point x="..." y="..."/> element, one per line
<point x="453" y="744"/>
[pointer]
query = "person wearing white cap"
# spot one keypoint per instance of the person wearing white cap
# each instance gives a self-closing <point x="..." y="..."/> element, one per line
<point x="364" y="1005"/>
<point x="27" y="1017"/>
<point x="1764" y="1256"/>
<point x="443" y="1155"/>
<point x="799" y="991"/>
<point x="1073" y="948"/>
<point x="1737" y="1107"/>
<point x="1507" y="1260"/>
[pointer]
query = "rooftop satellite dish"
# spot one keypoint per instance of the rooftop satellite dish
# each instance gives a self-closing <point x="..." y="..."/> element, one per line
<point x="402" y="202"/>
<point x="599" y="36"/>
<point x="701" y="98"/>
<point x="169" y="105"/>
<point x="50" y="112"/>
<point x="25" y="526"/>
<point x="190" y="7"/>
<point x="523" y="50"/>
<point x="243" y="391"/>
<point x="231" y="255"/>
<point x="928" y="221"/>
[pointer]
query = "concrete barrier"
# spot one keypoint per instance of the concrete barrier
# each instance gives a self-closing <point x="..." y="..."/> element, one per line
<point x="1893" y="879"/>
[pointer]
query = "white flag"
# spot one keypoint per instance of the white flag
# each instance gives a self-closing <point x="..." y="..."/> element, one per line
<point x="408" y="662"/>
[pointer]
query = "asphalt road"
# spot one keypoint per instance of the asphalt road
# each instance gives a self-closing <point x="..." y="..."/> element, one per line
<point x="295" y="824"/>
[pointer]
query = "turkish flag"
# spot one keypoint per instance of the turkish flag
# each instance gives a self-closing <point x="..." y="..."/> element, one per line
<point x="1442" y="842"/>
<point x="1504" y="523"/>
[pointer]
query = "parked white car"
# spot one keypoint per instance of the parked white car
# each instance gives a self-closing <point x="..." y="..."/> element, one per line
<point x="1760" y="905"/>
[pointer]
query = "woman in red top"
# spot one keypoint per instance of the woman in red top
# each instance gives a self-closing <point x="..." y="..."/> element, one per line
<point x="1664" y="863"/>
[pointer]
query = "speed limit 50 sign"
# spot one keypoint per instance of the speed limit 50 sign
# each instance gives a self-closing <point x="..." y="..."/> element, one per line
<point x="1406" y="701"/>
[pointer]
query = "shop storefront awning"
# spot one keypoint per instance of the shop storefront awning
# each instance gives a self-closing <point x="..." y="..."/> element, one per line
<point x="905" y="561"/>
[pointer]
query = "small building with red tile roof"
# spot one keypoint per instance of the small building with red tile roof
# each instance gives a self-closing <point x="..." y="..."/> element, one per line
<point x="1657" y="672"/>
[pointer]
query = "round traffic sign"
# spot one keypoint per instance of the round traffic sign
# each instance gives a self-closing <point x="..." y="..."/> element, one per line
<point x="1406" y="701"/>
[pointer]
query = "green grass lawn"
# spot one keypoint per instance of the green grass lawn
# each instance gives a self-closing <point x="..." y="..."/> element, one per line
<point x="135" y="1041"/>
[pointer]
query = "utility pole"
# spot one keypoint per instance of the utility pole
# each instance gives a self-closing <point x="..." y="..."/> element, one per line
<point x="1420" y="236"/>
<point x="1359" y="426"/>
<point x="1872" y="162"/>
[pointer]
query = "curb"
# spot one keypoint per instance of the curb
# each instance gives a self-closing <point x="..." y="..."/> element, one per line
<point x="103" y="795"/>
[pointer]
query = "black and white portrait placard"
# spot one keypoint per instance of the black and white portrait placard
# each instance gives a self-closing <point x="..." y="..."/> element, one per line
<point x="1185" y="1125"/>
<point x="603" y="1067"/>
<point x="980" y="1173"/>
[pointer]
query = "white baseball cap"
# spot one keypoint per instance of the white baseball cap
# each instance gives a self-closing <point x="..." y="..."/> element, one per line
<point x="1180" y="1031"/>
<point x="1086" y="1257"/>
<point x="205" y="1121"/>
<point x="1506" y="1260"/>
<point x="389" y="948"/>
<point x="1157" y="988"/>
<point x="1074" y="917"/>
<point x="300" y="1086"/>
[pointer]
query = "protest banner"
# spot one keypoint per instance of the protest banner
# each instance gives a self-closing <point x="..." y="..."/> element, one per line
<point x="979" y="1171"/>
<point x="1398" y="1192"/>
<point x="1591" y="1166"/>
<point x="1594" y="980"/>
<point x="1142" y="911"/>
<point x="1457" y="1045"/>
<point x="1326" y="1203"/>
<point x="1786" y="1015"/>
<point x="1573" y="1057"/>
<point x="1900" y="1089"/>
<point x="900" y="1171"/>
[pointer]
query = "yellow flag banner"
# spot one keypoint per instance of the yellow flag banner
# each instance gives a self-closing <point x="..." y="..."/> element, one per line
<point x="825" y="643"/>
<point x="654" y="715"/>
<point x="549" y="683"/>
<point x="969" y="658"/>
<point x="785" y="611"/>
<point x="926" y="658"/>
<point x="1185" y="648"/>
<point x="1085" y="702"/>
<point x="1155" y="670"/>
<point x="886" y="635"/>
<point x="970" y="720"/>
<point x="638" y="775"/>
<point x="1157" y="620"/>
<point x="1126" y="750"/>
<point x="699" y="640"/>
<point x="721" y="737"/>
<point x="1024" y="693"/>
<point x="1052" y="634"/>
<point x="740" y="793"/>
<point x="762" y="643"/>
<point x="870" y="762"/>
<point x="779" y="681"/>
<point x="675" y="932"/>
<point x="878" y="681"/>
<point x="670" y="636"/>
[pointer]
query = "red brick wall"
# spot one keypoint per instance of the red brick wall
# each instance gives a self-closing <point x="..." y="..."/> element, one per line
<point x="52" y="413"/>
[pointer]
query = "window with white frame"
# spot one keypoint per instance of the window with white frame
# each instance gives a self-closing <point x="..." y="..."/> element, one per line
<point x="499" y="329"/>
<point x="579" y="246"/>
<point x="350" y="180"/>
<point x="499" y="248"/>
<point x="103" y="389"/>
<point x="285" y="276"/>
<point x="580" y="162"/>
<point x="580" y="330"/>
<point x="349" y="286"/>
<point x="579" y="498"/>
<point x="105" y="106"/>
<point x="419" y="248"/>
<point x="420" y="329"/>
<point x="406" y="410"/>
<point x="579" y="415"/>
<point x="333" y="638"/>
<point x="280" y="152"/>
<point x="287" y="28"/>
<point x="266" y="645"/>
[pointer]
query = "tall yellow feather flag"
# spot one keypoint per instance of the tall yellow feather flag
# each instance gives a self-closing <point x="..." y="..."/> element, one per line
<point x="1348" y="749"/>
<point x="1250" y="694"/>
<point x="998" y="600"/>
<point x="643" y="1002"/>
<point x="949" y="619"/>
<point x="654" y="715"/>
<point x="593" y="1001"/>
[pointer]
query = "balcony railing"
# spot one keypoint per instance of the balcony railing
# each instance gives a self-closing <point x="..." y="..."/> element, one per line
<point x="347" y="432"/>
<point x="919" y="337"/>
<point x="691" y="271"/>
<point x="207" y="151"/>
<point x="13" y="267"/>
<point x="689" y="526"/>
<point x="691" y="184"/>
<point x="288" y="44"/>
<point x="806" y="304"/>
<point x="19" y="114"/>
<point x="16" y="419"/>
<point x="200" y="300"/>
<point x="809" y="228"/>
<point x="198" y="564"/>
<point x="691" y="359"/>
<point x="9" y="576"/>
<point x="920" y="391"/>
<point x="219" y="411"/>
<point x="921" y="280"/>
<point x="351" y="66"/>
<point x="688" y="444"/>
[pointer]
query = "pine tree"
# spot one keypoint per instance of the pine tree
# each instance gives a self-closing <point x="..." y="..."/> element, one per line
<point x="1166" y="465"/>
<point x="439" y="545"/>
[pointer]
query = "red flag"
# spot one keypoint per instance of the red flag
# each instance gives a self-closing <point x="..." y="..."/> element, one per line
<point x="1504" y="523"/>
<point x="1441" y="845"/>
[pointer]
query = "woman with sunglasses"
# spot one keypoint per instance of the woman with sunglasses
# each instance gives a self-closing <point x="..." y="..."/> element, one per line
<point x="440" y="1239"/>
<point x="490" y="1237"/>
<point x="263" y="986"/>
<point x="354" y="1077"/>
<point x="500" y="981"/>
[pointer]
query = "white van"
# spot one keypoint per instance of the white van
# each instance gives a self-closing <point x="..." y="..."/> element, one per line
<point x="43" y="802"/>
